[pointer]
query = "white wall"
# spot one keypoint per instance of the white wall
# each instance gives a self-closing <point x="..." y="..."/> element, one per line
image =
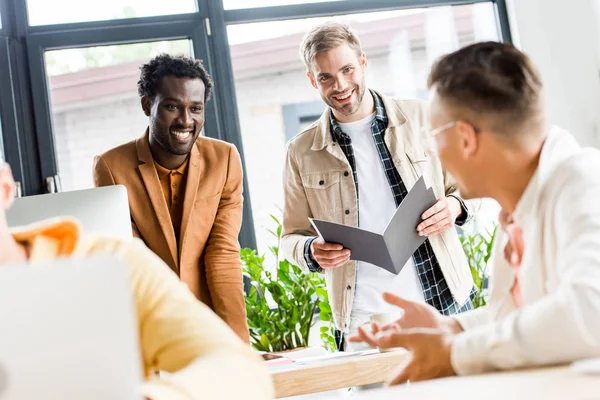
<point x="563" y="39"/>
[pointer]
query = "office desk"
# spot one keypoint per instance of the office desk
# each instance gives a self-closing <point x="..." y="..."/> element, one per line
<point x="334" y="374"/>
<point x="555" y="383"/>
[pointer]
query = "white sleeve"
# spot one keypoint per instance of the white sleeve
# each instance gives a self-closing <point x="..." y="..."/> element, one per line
<point x="564" y="325"/>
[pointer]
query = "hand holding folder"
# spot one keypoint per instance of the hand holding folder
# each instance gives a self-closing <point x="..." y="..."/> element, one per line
<point x="391" y="249"/>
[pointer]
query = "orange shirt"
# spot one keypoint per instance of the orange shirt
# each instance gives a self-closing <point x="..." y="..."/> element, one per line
<point x="173" y="183"/>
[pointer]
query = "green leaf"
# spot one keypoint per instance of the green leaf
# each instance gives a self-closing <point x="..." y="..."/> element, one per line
<point x="325" y="307"/>
<point x="275" y="219"/>
<point x="264" y="341"/>
<point x="322" y="293"/>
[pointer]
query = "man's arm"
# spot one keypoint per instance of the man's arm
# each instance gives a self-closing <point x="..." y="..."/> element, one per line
<point x="222" y="253"/>
<point x="563" y="325"/>
<point x="202" y="356"/>
<point x="297" y="233"/>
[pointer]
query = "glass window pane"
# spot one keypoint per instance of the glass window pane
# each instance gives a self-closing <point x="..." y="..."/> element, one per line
<point x="237" y="4"/>
<point x="271" y="80"/>
<point x="95" y="104"/>
<point x="46" y="12"/>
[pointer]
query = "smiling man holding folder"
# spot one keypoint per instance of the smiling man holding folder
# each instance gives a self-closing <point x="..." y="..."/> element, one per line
<point x="355" y="166"/>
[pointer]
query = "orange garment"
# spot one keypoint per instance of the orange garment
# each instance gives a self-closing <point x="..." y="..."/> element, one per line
<point x="172" y="182"/>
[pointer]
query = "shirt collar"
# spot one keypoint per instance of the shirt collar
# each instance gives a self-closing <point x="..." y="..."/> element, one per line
<point x="558" y="146"/>
<point x="49" y="239"/>
<point x="163" y="172"/>
<point x="380" y="116"/>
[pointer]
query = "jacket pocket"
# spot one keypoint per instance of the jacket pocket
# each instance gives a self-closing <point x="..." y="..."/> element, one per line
<point x="423" y="165"/>
<point x="323" y="191"/>
<point x="419" y="162"/>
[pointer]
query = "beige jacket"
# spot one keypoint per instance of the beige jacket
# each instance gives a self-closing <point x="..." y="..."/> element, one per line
<point x="314" y="158"/>
<point x="559" y="274"/>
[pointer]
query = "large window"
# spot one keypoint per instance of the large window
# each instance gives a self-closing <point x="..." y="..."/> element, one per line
<point x="69" y="71"/>
<point x="95" y="105"/>
<point x="274" y="96"/>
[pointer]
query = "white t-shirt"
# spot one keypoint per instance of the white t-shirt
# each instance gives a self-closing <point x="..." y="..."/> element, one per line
<point x="376" y="206"/>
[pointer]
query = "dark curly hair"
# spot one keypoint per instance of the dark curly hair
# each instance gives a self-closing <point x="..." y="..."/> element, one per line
<point x="178" y="66"/>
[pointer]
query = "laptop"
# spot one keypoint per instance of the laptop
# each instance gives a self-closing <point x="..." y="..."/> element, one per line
<point x="103" y="211"/>
<point x="68" y="332"/>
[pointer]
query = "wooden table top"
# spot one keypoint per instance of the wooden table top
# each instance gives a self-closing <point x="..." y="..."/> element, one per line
<point x="338" y="373"/>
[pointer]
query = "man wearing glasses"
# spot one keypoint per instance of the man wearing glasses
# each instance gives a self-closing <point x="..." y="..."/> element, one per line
<point x="355" y="166"/>
<point x="492" y="135"/>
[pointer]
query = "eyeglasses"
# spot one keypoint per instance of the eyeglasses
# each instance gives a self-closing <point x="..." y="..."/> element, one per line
<point x="443" y="128"/>
<point x="427" y="135"/>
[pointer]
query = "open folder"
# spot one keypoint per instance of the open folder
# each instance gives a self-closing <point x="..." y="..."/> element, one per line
<point x="392" y="249"/>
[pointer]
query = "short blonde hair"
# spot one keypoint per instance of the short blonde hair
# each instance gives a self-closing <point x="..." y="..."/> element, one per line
<point x="326" y="37"/>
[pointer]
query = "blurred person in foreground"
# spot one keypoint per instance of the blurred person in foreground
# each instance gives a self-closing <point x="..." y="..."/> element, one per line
<point x="178" y="334"/>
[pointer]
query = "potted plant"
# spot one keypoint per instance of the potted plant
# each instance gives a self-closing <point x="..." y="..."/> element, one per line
<point x="478" y="249"/>
<point x="282" y="302"/>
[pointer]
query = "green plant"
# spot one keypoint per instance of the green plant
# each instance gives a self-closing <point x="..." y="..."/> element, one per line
<point x="478" y="249"/>
<point x="296" y="296"/>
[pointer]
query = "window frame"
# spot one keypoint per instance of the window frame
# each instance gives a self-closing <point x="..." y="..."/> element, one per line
<point x="25" y="108"/>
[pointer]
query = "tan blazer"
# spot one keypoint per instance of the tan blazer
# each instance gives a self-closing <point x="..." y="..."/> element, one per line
<point x="316" y="186"/>
<point x="207" y="259"/>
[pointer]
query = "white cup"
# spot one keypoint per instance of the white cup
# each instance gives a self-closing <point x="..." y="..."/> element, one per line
<point x="385" y="319"/>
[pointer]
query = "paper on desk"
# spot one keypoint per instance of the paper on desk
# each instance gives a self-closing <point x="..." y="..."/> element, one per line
<point x="392" y="249"/>
<point x="309" y="352"/>
<point x="333" y="356"/>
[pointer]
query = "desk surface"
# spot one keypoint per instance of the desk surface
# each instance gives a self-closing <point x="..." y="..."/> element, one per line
<point x="555" y="383"/>
<point x="337" y="373"/>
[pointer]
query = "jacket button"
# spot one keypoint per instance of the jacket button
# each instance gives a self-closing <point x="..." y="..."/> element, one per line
<point x="321" y="183"/>
<point x="349" y="287"/>
<point x="347" y="212"/>
<point x="346" y="173"/>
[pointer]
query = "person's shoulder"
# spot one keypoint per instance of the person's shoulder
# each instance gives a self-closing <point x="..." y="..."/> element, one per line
<point x="214" y="147"/>
<point x="582" y="166"/>
<point x="411" y="108"/>
<point x="120" y="153"/>
<point x="304" y="140"/>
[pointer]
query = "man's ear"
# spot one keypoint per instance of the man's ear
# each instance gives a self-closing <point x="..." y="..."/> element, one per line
<point x="468" y="139"/>
<point x="312" y="79"/>
<point x="7" y="187"/>
<point x="363" y="61"/>
<point x="146" y="105"/>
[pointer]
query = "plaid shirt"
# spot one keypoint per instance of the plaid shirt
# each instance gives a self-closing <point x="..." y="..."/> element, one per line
<point x="433" y="283"/>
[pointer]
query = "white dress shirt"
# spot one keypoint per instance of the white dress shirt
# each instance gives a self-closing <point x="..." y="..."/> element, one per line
<point x="559" y="274"/>
<point x="376" y="206"/>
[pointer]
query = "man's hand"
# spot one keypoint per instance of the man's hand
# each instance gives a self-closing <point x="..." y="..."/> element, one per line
<point x="329" y="255"/>
<point x="430" y="354"/>
<point x="440" y="217"/>
<point x="416" y="315"/>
